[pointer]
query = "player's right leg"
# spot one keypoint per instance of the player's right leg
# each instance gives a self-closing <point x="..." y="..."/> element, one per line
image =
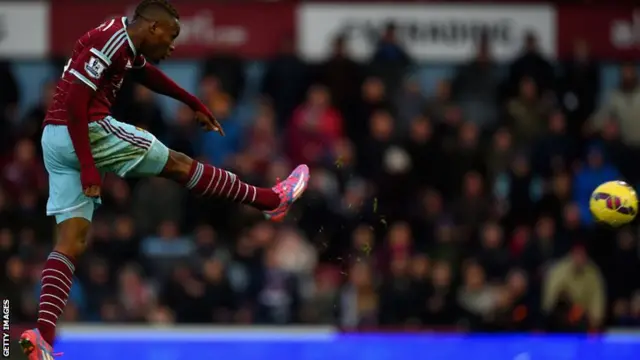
<point x="133" y="152"/>
<point x="73" y="212"/>
<point x="210" y="181"/>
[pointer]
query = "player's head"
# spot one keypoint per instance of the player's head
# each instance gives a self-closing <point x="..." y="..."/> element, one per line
<point x="160" y="25"/>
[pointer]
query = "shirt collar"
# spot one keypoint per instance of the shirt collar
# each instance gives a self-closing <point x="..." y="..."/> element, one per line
<point x="124" y="23"/>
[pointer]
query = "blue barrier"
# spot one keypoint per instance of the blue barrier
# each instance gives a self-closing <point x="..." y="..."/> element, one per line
<point x="241" y="345"/>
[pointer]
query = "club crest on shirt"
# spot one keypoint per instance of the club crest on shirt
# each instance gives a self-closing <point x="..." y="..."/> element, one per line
<point x="94" y="68"/>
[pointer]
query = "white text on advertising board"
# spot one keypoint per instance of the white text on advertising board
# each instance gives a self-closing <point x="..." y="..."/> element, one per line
<point x="430" y="32"/>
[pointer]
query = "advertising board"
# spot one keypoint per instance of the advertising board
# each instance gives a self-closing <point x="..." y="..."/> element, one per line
<point x="430" y="32"/>
<point x="24" y="29"/>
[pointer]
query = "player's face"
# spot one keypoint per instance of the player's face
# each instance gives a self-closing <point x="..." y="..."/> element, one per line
<point x="161" y="40"/>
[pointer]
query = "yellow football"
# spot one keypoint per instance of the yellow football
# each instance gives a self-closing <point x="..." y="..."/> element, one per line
<point x="614" y="203"/>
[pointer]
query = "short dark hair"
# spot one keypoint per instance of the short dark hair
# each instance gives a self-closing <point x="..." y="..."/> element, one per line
<point x="145" y="5"/>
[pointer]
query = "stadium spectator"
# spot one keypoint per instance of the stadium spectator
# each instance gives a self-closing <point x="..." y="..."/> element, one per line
<point x="527" y="112"/>
<point x="555" y="150"/>
<point x="390" y="59"/>
<point x="579" y="86"/>
<point x="260" y="144"/>
<point x="315" y="128"/>
<point x="578" y="281"/>
<point x="621" y="106"/>
<point x="373" y="97"/>
<point x="24" y="172"/>
<point x="532" y="64"/>
<point x="144" y="112"/>
<point x="228" y="68"/>
<point x="596" y="171"/>
<point x="342" y="76"/>
<point x="410" y="104"/>
<point x="476" y="87"/>
<point x="442" y="108"/>
<point x="31" y="125"/>
<point x="285" y="81"/>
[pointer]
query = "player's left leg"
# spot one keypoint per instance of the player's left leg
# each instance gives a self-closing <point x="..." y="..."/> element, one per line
<point x="57" y="280"/>
<point x="73" y="212"/>
<point x="149" y="157"/>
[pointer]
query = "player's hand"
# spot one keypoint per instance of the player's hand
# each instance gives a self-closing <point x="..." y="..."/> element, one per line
<point x="91" y="180"/>
<point x="209" y="122"/>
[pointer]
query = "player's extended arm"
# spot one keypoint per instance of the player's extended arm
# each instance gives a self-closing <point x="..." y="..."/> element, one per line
<point x="78" y="100"/>
<point x="154" y="79"/>
<point x="151" y="77"/>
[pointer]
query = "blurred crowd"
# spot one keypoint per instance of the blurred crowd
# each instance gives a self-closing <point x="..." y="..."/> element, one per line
<point x="462" y="208"/>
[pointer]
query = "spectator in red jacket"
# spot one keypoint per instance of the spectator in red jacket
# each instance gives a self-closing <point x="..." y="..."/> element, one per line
<point x="315" y="128"/>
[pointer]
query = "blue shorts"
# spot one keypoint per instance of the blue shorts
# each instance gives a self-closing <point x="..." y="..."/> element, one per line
<point x="117" y="148"/>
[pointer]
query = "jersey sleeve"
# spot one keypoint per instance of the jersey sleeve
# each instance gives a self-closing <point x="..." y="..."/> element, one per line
<point x="89" y="67"/>
<point x="97" y="57"/>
